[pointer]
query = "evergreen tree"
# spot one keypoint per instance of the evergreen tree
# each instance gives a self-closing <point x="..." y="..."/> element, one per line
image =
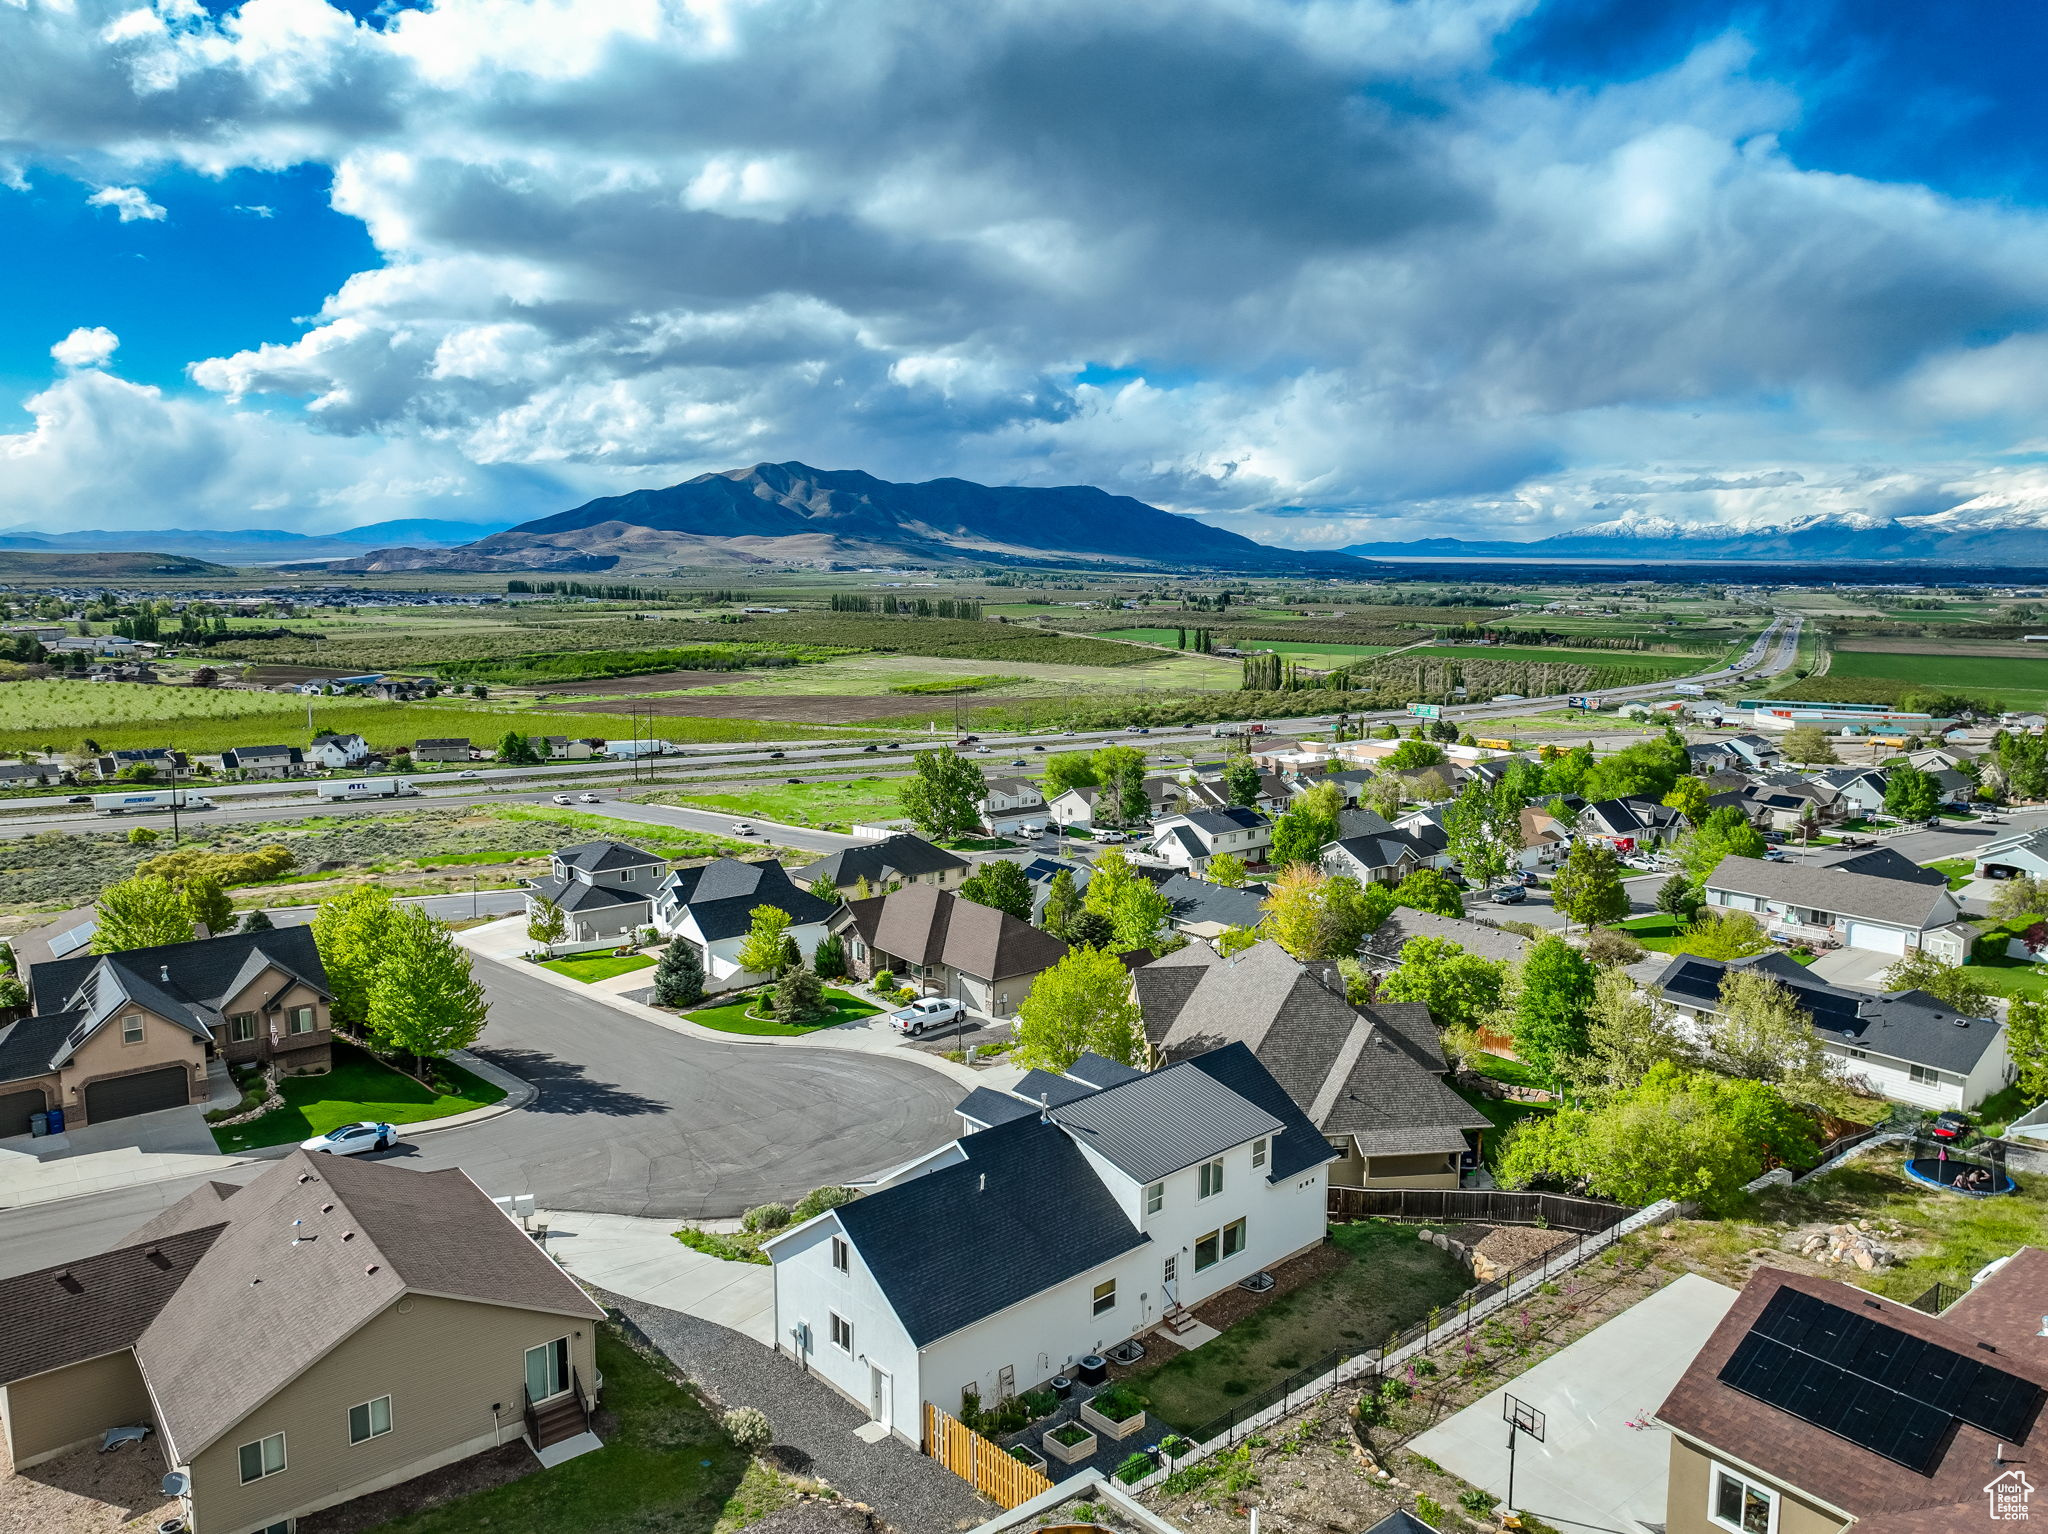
<point x="1090" y="929"/>
<point x="790" y="957"/>
<point x="1678" y="897"/>
<point x="828" y="959"/>
<point x="1062" y="904"/>
<point x="679" y="977"/>
<point x="256" y="920"/>
<point x="799" y="995"/>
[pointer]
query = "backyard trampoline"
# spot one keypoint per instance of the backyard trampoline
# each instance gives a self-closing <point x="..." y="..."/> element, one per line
<point x="1971" y="1179"/>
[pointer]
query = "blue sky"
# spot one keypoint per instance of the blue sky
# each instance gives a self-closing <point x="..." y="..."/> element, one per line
<point x="1358" y="270"/>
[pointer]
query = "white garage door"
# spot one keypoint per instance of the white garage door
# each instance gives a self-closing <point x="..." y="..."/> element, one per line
<point x="1863" y="934"/>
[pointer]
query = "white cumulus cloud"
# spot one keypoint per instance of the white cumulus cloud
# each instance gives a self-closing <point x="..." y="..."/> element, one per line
<point x="130" y="202"/>
<point x="86" y="347"/>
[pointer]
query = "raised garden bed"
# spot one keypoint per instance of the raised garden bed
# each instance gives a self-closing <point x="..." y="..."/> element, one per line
<point x="1070" y="1443"/>
<point x="1115" y="1413"/>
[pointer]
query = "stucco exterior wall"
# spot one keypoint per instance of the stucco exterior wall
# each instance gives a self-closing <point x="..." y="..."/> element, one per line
<point x="104" y="1055"/>
<point x="1685" y="1508"/>
<point x="49" y="1413"/>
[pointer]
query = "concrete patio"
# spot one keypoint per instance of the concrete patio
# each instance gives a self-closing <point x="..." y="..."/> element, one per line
<point x="642" y="1260"/>
<point x="1603" y="1465"/>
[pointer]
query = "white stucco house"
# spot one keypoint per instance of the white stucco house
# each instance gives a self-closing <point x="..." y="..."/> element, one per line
<point x="1907" y="1045"/>
<point x="1852" y="910"/>
<point x="1055" y="1232"/>
<point x="713" y="907"/>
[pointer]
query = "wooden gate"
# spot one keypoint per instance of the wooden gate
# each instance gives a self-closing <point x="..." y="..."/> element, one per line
<point x="986" y="1466"/>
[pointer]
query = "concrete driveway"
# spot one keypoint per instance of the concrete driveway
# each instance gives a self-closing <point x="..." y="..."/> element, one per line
<point x="1858" y="969"/>
<point x="1602" y="1468"/>
<point x="642" y="1260"/>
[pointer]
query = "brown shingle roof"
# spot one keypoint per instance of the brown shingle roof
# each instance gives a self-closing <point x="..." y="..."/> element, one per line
<point x="1884" y="1497"/>
<point x="97" y="1305"/>
<point x="924" y="924"/>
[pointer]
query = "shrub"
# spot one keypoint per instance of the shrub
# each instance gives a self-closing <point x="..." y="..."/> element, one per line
<point x="1430" y="1511"/>
<point x="1135" y="1469"/>
<point x="1119" y="1402"/>
<point x="765" y="1217"/>
<point x="1039" y="1403"/>
<point x="1605" y="945"/>
<point x="748" y="1428"/>
<point x="818" y="1200"/>
<point x="1477" y="1502"/>
<point x="1173" y="1445"/>
<point x="724" y="1248"/>
<point x="884" y="981"/>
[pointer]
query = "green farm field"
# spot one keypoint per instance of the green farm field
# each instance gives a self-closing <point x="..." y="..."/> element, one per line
<point x="1669" y="665"/>
<point x="877" y="675"/>
<point x="826" y="806"/>
<point x="2012" y="680"/>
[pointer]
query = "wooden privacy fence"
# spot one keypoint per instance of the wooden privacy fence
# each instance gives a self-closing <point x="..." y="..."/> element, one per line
<point x="1476" y="1206"/>
<point x="986" y="1466"/>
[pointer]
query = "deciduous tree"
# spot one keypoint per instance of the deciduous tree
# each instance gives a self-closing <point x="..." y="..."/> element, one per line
<point x="142" y="912"/>
<point x="208" y="905"/>
<point x="1689" y="797"/>
<point x="1761" y="1033"/>
<point x="1957" y="986"/>
<point x="352" y="930"/>
<point x="1083" y="1002"/>
<point x="424" y="1001"/>
<point x="1227" y="869"/>
<point x="1553" y="996"/>
<point x="546" y="922"/>
<point x="2026" y="1039"/>
<point x="943" y="795"/>
<point x="1723" y="934"/>
<point x="1909" y="793"/>
<point x="762" y="951"/>
<point x="1001" y="884"/>
<point x="1628" y="1032"/>
<point x="1809" y="743"/>
<point x="1243" y="781"/>
<point x="1588" y="887"/>
<point x="1721" y="833"/>
<point x="1068" y="769"/>
<point x="1460" y="988"/>
<point x="1429" y="889"/>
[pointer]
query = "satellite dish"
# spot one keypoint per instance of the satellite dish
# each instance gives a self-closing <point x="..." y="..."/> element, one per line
<point x="176" y="1484"/>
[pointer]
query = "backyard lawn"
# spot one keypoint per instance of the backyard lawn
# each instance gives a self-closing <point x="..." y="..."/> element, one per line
<point x="1957" y="870"/>
<point x="2011" y="977"/>
<point x="359" y="1087"/>
<point x="734" y="1016"/>
<point x="1658" y="933"/>
<point x="665" y="1466"/>
<point x="1391" y="1281"/>
<point x="1505" y="1115"/>
<point x="599" y="966"/>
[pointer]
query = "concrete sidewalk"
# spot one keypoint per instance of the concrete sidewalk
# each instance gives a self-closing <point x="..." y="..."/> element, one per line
<point x="642" y="1260"/>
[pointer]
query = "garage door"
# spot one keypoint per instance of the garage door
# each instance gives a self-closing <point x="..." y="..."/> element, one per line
<point x="126" y="1096"/>
<point x="15" y="1107"/>
<point x="1863" y="934"/>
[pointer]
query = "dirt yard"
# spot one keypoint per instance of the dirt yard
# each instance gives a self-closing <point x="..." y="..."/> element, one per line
<point x="86" y="1492"/>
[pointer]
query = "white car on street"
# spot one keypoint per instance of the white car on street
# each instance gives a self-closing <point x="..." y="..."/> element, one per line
<point x="563" y="799"/>
<point x="588" y="799"/>
<point x="930" y="1012"/>
<point x="742" y="828"/>
<point x="352" y="1139"/>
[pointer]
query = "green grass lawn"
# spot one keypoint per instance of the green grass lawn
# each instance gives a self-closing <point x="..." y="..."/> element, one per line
<point x="2015" y="680"/>
<point x="2012" y="977"/>
<point x="1514" y="1072"/>
<point x="827" y="806"/>
<point x="599" y="966"/>
<point x="359" y="1087"/>
<point x="1957" y="870"/>
<point x="665" y="1467"/>
<point x="1659" y="933"/>
<point x="1390" y="1281"/>
<point x="1505" y="1115"/>
<point x="733" y="1017"/>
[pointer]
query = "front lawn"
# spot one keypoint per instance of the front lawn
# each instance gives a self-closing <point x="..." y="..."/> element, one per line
<point x="359" y="1087"/>
<point x="742" y="1016"/>
<point x="1957" y="870"/>
<point x="665" y="1466"/>
<point x="1389" y="1281"/>
<point x="2011" y="977"/>
<point x="599" y="966"/>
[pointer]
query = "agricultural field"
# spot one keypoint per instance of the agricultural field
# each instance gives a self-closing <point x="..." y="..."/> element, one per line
<point x="824" y="806"/>
<point x="1633" y="660"/>
<point x="2017" y="682"/>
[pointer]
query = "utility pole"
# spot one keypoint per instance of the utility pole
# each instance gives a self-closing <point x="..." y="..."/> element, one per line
<point x="174" y="797"/>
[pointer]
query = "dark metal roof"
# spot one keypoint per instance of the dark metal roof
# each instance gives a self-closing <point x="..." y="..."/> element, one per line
<point x="604" y="856"/>
<point x="1299" y="1145"/>
<point x="1164" y="1122"/>
<point x="986" y="1107"/>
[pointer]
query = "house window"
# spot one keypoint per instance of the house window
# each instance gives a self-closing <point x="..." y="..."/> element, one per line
<point x="1741" y="1505"/>
<point x="628" y="875"/>
<point x="1233" y="1238"/>
<point x="840" y="1252"/>
<point x="842" y="1333"/>
<point x="131" y="1029"/>
<point x="241" y="1027"/>
<point x="261" y="1458"/>
<point x="1207" y="1249"/>
<point x="299" y="1020"/>
<point x="1105" y="1296"/>
<point x="1924" y="1075"/>
<point x="370" y="1420"/>
<point x="1155" y="1198"/>
<point x="1258" y="1153"/>
<point x="1212" y="1178"/>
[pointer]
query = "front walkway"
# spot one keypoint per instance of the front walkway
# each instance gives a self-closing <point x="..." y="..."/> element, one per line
<point x="1602" y="1466"/>
<point x="642" y="1260"/>
<point x="912" y="1492"/>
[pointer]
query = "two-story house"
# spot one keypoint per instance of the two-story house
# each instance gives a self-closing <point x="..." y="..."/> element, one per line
<point x="605" y="889"/>
<point x="331" y="1328"/>
<point x="1009" y="804"/>
<point x="891" y="860"/>
<point x="445" y="748"/>
<point x="337" y="752"/>
<point x="1628" y="824"/>
<point x="114" y="1035"/>
<point x="945" y="946"/>
<point x="1859" y="791"/>
<point x="1759" y="751"/>
<point x="263" y="761"/>
<point x="1906" y="1045"/>
<point x="158" y="759"/>
<point x="1852" y="910"/>
<point x="1816" y="1407"/>
<point x="1006" y="1257"/>
<point x="713" y="907"/>
<point x="1370" y="849"/>
<point x="1191" y="842"/>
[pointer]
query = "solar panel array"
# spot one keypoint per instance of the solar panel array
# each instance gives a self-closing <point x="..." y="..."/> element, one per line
<point x="1882" y="1389"/>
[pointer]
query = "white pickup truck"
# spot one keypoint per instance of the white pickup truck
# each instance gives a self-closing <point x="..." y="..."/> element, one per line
<point x="366" y="788"/>
<point x="143" y="802"/>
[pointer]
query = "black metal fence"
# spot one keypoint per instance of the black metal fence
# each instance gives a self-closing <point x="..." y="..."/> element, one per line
<point x="1440" y="1325"/>
<point x="1937" y="1299"/>
<point x="1477" y="1206"/>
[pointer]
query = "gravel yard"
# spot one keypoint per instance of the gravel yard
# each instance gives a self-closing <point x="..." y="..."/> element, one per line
<point x="85" y="1491"/>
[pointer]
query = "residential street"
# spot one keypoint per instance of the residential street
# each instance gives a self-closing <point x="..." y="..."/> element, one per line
<point x="631" y="1119"/>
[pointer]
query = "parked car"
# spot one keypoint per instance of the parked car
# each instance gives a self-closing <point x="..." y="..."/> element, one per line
<point x="1109" y="836"/>
<point x="1773" y="837"/>
<point x="1777" y="855"/>
<point x="1529" y="878"/>
<point x="352" y="1139"/>
<point x="742" y="828"/>
<point x="1950" y="1126"/>
<point x="1509" y="894"/>
<point x="930" y="1012"/>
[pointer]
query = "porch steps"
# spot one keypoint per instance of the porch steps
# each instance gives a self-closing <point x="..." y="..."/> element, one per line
<point x="1179" y="1320"/>
<point x="559" y="1421"/>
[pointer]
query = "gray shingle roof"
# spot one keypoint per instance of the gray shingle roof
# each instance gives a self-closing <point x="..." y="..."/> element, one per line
<point x="902" y="856"/>
<point x="605" y="856"/>
<point x="1403" y="925"/>
<point x="722" y="895"/>
<point x="1864" y="896"/>
<point x="1878" y="862"/>
<point x="96" y="1305"/>
<point x="1196" y="901"/>
<point x="575" y="895"/>
<point x="1165" y="1122"/>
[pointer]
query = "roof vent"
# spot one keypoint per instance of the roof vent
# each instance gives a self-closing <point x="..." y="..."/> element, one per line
<point x="348" y="1235"/>
<point x="157" y="1259"/>
<point x="163" y="973"/>
<point x="1044" y="1109"/>
<point x="984" y="1183"/>
<point x="254" y="1282"/>
<point x="69" y="1283"/>
<point x="1988" y="1347"/>
<point x="327" y="1209"/>
<point x="371" y="1268"/>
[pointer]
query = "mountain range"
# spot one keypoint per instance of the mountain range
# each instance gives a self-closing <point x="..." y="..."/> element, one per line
<point x="1988" y="529"/>
<point x="260" y="545"/>
<point x="790" y="513"/>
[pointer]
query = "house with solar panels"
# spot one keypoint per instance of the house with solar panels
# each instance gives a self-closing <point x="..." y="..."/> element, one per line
<point x="1816" y="1407"/>
<point x="1052" y="1232"/>
<point x="1909" y="1046"/>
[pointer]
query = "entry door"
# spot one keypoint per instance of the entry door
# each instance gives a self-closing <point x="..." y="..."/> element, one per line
<point x="881" y="1390"/>
<point x="547" y="1369"/>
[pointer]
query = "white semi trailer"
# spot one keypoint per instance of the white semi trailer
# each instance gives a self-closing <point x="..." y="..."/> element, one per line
<point x="366" y="788"/>
<point x="143" y="802"/>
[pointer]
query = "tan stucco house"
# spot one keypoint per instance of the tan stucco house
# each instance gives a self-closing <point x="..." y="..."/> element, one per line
<point x="113" y="1035"/>
<point x="333" y="1328"/>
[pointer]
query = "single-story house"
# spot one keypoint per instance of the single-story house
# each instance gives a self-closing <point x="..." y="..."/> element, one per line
<point x="1909" y="1046"/>
<point x="713" y="908"/>
<point x="109" y="1036"/>
<point x="2019" y="855"/>
<point x="1370" y="1079"/>
<point x="606" y="890"/>
<point x="1628" y="824"/>
<point x="1203" y="909"/>
<point x="1002" y="1259"/>
<point x="1817" y="1407"/>
<point x="1190" y="842"/>
<point x="899" y="859"/>
<point x="443" y="749"/>
<point x="263" y="761"/>
<point x="1010" y="803"/>
<point x="1827" y="906"/>
<point x="330" y="1329"/>
<point x="338" y="752"/>
<point x="946" y="946"/>
<point x="111" y="764"/>
<point x="1880" y="862"/>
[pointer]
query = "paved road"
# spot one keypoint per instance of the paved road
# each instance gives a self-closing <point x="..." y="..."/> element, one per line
<point x="631" y="1119"/>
